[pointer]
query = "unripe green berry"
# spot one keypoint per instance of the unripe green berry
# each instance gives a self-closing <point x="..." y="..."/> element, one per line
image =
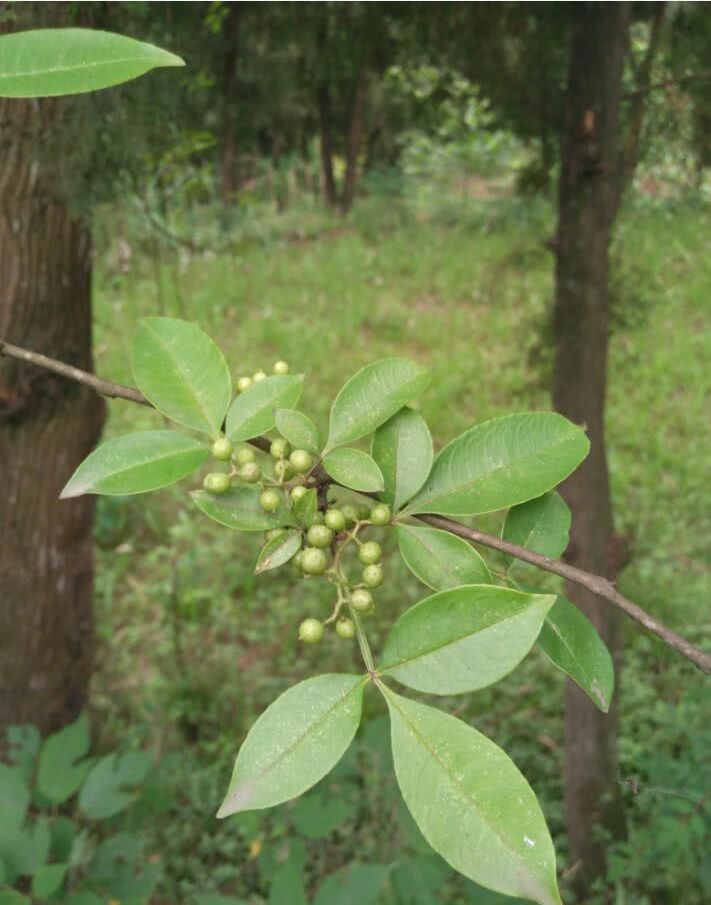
<point x="345" y="629"/>
<point x="370" y="552"/>
<point x="363" y="512"/>
<point x="301" y="461"/>
<point x="372" y="576"/>
<point x="222" y="449"/>
<point x="250" y="473"/>
<point x="350" y="513"/>
<point x="274" y="532"/>
<point x="314" y="561"/>
<point x="244" y="383"/>
<point x="335" y="520"/>
<point x="281" y="367"/>
<point x="298" y="559"/>
<point x="280" y="448"/>
<point x="319" y="536"/>
<point x="311" y="631"/>
<point x="243" y="455"/>
<point x="298" y="492"/>
<point x="270" y="499"/>
<point x="283" y="470"/>
<point x="217" y="482"/>
<point x="258" y="375"/>
<point x="380" y="514"/>
<point x="361" y="600"/>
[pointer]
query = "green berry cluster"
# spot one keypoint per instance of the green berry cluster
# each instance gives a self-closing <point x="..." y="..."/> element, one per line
<point x="245" y="382"/>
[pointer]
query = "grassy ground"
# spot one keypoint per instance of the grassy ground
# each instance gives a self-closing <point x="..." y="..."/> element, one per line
<point x="193" y="647"/>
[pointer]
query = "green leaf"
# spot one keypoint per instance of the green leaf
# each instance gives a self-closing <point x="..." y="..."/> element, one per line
<point x="110" y="787"/>
<point x="295" y="742"/>
<point x="541" y="525"/>
<point x="372" y="396"/>
<point x="239" y="508"/>
<point x="287" y="887"/>
<point x="136" y="463"/>
<point x="464" y="638"/>
<point x="48" y="62"/>
<point x="181" y="371"/>
<point x="59" y="774"/>
<point x="569" y="640"/>
<point x="48" y="879"/>
<point x="358" y="884"/>
<point x="471" y="803"/>
<point x="13" y="897"/>
<point x="402" y="447"/>
<point x="318" y="814"/>
<point x="304" y="509"/>
<point x="441" y="560"/>
<point x="354" y="469"/>
<point x="278" y="550"/>
<point x="501" y="463"/>
<point x="253" y="411"/>
<point x="299" y="430"/>
<point x="23" y="850"/>
<point x="14" y="797"/>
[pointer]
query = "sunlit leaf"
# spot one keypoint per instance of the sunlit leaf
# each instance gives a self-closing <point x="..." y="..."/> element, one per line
<point x="540" y="525"/>
<point x="439" y="559"/>
<point x="354" y="469"/>
<point x="278" y="550"/>
<point x="402" y="448"/>
<point x="239" y="508"/>
<point x="253" y="411"/>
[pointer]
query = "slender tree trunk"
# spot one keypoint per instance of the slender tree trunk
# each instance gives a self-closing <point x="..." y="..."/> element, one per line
<point x="588" y="204"/>
<point x="328" y="182"/>
<point x="355" y="134"/>
<point x="228" y="155"/>
<point x="47" y="425"/>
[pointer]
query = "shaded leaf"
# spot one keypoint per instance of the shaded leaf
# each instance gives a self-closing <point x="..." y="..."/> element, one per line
<point x="253" y="411"/>
<point x="540" y="525"/>
<point x="110" y="787"/>
<point x="304" y="509"/>
<point x="358" y="884"/>
<point x="14" y="797"/>
<point x="278" y="550"/>
<point x="439" y="559"/>
<point x="239" y="508"/>
<point x="59" y="772"/>
<point x="136" y="463"/>
<point x="287" y="887"/>
<point x="402" y="448"/>
<point x="354" y="469"/>
<point x="299" y="430"/>
<point x="501" y="463"/>
<point x="48" y="880"/>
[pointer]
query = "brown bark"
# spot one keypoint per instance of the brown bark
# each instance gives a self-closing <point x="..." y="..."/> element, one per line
<point x="355" y="134"/>
<point x="47" y="426"/>
<point x="325" y="118"/>
<point x="588" y="203"/>
<point x="228" y="149"/>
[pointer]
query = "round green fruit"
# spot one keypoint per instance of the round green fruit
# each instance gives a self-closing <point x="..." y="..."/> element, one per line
<point x="258" y="375"/>
<point x="350" y="514"/>
<point x="283" y="470"/>
<point x="363" y="512"/>
<point x="280" y="448"/>
<point x="345" y="629"/>
<point x="297" y="559"/>
<point x="217" y="482"/>
<point x="244" y="454"/>
<point x="311" y="631"/>
<point x="270" y="499"/>
<point x="335" y="520"/>
<point x="319" y="536"/>
<point x="372" y="576"/>
<point x="380" y="514"/>
<point x="250" y="473"/>
<point x="244" y="383"/>
<point x="314" y="561"/>
<point x="222" y="449"/>
<point x="298" y="492"/>
<point x="370" y="552"/>
<point x="301" y="461"/>
<point x="362" y="600"/>
<point x="281" y="367"/>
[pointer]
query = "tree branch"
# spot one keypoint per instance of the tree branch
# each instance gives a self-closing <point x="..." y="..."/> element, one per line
<point x="600" y="586"/>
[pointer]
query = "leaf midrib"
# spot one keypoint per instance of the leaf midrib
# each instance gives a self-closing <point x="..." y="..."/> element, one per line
<point x="31" y="73"/>
<point x="470" y="484"/>
<point x="464" y="792"/>
<point x="158" y="459"/>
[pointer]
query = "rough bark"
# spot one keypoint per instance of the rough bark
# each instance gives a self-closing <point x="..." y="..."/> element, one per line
<point x="588" y="203"/>
<point x="355" y="135"/>
<point x="47" y="425"/>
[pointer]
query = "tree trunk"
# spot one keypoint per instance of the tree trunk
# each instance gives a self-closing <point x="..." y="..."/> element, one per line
<point x="588" y="204"/>
<point x="47" y="426"/>
<point x="228" y="150"/>
<point x="328" y="182"/>
<point x="355" y="133"/>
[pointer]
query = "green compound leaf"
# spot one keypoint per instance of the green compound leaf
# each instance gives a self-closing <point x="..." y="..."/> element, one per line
<point x="136" y="463"/>
<point x="463" y="639"/>
<point x="570" y="641"/>
<point x="441" y="560"/>
<point x="402" y="447"/>
<point x="354" y="469"/>
<point x="471" y="803"/>
<point x="277" y="551"/>
<point x="501" y="463"/>
<point x="181" y="371"/>
<point x="295" y="742"/>
<point x="59" y="774"/>
<point x="253" y="411"/>
<point x="304" y="509"/>
<point x="48" y="62"/>
<point x="239" y="508"/>
<point x="372" y="396"/>
<point x="299" y="430"/>
<point x="541" y="525"/>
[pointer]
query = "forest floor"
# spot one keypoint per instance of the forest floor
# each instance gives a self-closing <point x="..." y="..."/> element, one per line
<point x="192" y="646"/>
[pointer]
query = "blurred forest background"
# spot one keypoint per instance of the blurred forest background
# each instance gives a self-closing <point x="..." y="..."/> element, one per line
<point x="331" y="183"/>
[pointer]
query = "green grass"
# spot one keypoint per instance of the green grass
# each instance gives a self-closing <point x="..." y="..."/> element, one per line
<point x="193" y="647"/>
